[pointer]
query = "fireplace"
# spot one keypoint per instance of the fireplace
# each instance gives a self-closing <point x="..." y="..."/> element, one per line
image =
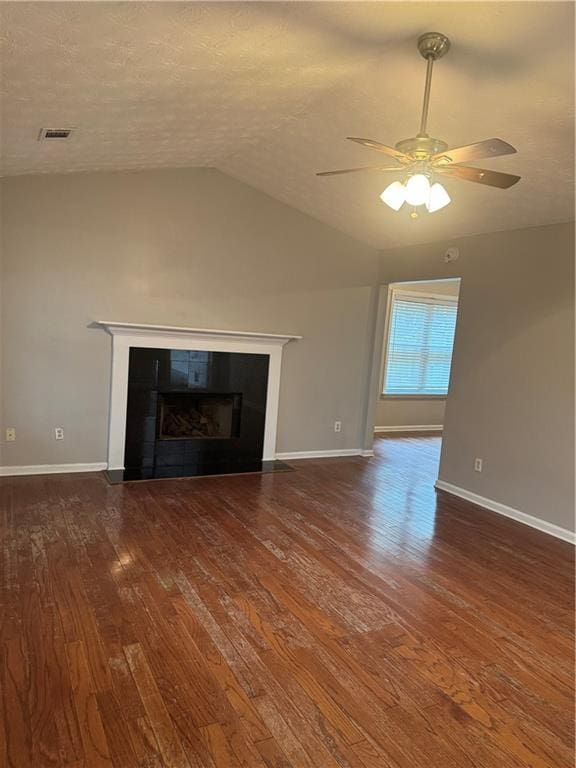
<point x="193" y="416"/>
<point x="153" y="365"/>
<point x="194" y="412"/>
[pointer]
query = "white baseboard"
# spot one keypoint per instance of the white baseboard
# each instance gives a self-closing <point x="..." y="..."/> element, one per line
<point x="502" y="509"/>
<point x="367" y="453"/>
<point x="321" y="454"/>
<point x="56" y="469"/>
<point x="52" y="469"/>
<point x="411" y="428"/>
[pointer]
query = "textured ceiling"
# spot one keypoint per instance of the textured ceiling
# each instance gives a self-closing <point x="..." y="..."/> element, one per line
<point x="266" y="92"/>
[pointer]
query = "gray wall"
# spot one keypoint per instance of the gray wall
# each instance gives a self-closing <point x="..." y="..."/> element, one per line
<point x="399" y="412"/>
<point x="194" y="247"/>
<point x="182" y="247"/>
<point x="511" y="397"/>
<point x="411" y="411"/>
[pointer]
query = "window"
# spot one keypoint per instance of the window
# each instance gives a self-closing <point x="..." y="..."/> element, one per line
<point x="420" y="341"/>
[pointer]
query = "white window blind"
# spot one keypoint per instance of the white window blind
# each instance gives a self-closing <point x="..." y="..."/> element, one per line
<point x="420" y="341"/>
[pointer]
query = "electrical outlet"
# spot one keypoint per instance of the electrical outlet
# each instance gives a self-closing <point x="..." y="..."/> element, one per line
<point x="337" y="426"/>
<point x="478" y="465"/>
<point x="10" y="434"/>
<point x="59" y="433"/>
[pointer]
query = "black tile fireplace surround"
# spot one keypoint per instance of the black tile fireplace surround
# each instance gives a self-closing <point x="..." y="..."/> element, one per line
<point x="194" y="413"/>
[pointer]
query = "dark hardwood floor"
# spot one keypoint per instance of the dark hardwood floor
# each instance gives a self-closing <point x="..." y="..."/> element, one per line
<point x="338" y="616"/>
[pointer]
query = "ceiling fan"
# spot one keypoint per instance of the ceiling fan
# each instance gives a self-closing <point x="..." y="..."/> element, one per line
<point x="422" y="157"/>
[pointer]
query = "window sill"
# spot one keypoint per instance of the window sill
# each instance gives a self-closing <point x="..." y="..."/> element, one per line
<point x="413" y="397"/>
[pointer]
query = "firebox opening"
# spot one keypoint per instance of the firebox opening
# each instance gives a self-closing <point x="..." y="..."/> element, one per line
<point x="193" y="415"/>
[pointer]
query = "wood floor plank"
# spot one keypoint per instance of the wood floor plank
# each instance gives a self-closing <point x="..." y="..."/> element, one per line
<point x="272" y="755"/>
<point x="16" y="736"/>
<point x="94" y="740"/>
<point x="116" y="728"/>
<point x="171" y="750"/>
<point x="229" y="683"/>
<point x="144" y="743"/>
<point x="344" y="615"/>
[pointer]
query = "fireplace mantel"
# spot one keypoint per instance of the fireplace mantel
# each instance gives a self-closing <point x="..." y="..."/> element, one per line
<point x="142" y="329"/>
<point x="126" y="335"/>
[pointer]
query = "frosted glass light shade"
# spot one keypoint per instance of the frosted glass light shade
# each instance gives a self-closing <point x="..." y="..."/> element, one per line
<point x="438" y="198"/>
<point x="417" y="189"/>
<point x="394" y="195"/>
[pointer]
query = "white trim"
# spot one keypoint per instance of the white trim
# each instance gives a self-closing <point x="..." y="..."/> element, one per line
<point x="145" y="329"/>
<point x="367" y="453"/>
<point x="126" y="335"/>
<point x="427" y="297"/>
<point x="327" y="454"/>
<point x="384" y="339"/>
<point x="372" y="393"/>
<point x="427" y="281"/>
<point x="52" y="469"/>
<point x="412" y="428"/>
<point x="502" y="509"/>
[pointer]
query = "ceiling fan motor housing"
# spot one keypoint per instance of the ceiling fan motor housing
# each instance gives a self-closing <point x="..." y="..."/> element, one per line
<point x="421" y="147"/>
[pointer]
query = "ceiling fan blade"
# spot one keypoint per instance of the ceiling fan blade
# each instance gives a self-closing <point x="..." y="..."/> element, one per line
<point x="471" y="152"/>
<point x="390" y="151"/>
<point x="479" y="175"/>
<point x="362" y="168"/>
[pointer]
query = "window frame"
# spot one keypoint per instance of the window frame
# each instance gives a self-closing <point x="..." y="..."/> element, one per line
<point x="429" y="297"/>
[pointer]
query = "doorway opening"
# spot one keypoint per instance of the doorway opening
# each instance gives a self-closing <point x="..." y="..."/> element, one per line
<point x="418" y="341"/>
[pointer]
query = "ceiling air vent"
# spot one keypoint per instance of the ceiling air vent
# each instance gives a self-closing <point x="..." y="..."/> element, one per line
<point x="58" y="134"/>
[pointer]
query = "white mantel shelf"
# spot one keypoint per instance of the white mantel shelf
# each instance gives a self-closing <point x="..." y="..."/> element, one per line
<point x="127" y="335"/>
<point x="114" y="328"/>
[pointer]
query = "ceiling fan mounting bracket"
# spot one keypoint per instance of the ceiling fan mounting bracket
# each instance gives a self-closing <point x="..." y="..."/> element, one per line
<point x="421" y="147"/>
<point x="433" y="45"/>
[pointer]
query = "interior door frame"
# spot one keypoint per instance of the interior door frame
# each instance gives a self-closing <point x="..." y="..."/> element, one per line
<point x="372" y="393"/>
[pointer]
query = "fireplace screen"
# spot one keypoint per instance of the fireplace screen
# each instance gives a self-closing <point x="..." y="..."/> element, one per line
<point x="193" y="415"/>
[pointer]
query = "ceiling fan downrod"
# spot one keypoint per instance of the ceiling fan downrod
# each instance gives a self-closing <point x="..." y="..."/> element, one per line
<point x="432" y="46"/>
<point x="426" y="103"/>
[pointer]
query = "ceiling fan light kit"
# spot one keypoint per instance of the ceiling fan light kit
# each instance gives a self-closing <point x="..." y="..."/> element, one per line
<point x="422" y="157"/>
<point x="417" y="191"/>
<point x="438" y="199"/>
<point x="394" y="195"/>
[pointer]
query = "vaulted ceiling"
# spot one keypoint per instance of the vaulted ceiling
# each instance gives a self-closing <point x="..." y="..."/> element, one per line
<point x="266" y="92"/>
